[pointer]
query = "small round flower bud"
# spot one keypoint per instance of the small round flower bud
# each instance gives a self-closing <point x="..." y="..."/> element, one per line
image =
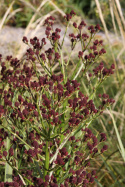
<point x="11" y="153"/>
<point x="4" y="153"/>
<point x="25" y="40"/>
<point x="75" y="25"/>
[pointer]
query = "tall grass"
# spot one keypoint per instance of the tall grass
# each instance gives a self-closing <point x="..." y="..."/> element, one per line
<point x="115" y="125"/>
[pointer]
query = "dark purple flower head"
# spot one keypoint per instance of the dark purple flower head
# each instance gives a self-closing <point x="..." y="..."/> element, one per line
<point x="59" y="160"/>
<point x="91" y="179"/>
<point x="72" y="13"/>
<point x="72" y="137"/>
<point x="75" y="24"/>
<point x="105" y="147"/>
<point x="25" y="40"/>
<point x="47" y="178"/>
<point x="93" y="172"/>
<point x="36" y="113"/>
<point x="79" y="180"/>
<point x="55" y="120"/>
<point x="90" y="146"/>
<point x="35" y="144"/>
<point x="68" y="17"/>
<point x="4" y="153"/>
<point x="63" y="152"/>
<point x="78" y="172"/>
<point x="40" y="181"/>
<point x="97" y="27"/>
<point x="113" y="66"/>
<point x="103" y="137"/>
<point x="83" y="23"/>
<point x="95" y="150"/>
<point x="11" y="151"/>
<point x="25" y="112"/>
<point x="20" y="99"/>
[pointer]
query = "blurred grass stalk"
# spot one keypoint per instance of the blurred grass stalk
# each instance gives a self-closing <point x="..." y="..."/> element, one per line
<point x="113" y="18"/>
<point x="118" y="107"/>
<point x="120" y="12"/>
<point x="121" y="146"/>
<point x="114" y="8"/>
<point x="122" y="31"/>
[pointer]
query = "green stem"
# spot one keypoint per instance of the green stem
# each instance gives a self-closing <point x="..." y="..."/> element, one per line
<point x="37" y="100"/>
<point x="63" y="68"/>
<point x="82" y="43"/>
<point x="46" y="165"/>
<point x="78" y="71"/>
<point x="34" y="67"/>
<point x="88" y="42"/>
<point x="40" y="116"/>
<point x="96" y="87"/>
<point x="64" y="35"/>
<point x="44" y="67"/>
<point x="69" y="58"/>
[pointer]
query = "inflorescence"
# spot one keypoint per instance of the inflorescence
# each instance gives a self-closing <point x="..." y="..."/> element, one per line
<point x="47" y="115"/>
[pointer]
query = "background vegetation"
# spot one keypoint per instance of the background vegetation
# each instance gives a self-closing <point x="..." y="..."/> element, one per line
<point x="29" y="13"/>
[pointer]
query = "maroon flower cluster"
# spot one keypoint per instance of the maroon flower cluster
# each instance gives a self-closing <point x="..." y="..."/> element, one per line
<point x="69" y="16"/>
<point x="51" y="55"/>
<point x="53" y="36"/>
<point x="100" y="71"/>
<point x="79" y="175"/>
<point x="93" y="29"/>
<point x="47" y="114"/>
<point x="86" y="40"/>
<point x="81" y="108"/>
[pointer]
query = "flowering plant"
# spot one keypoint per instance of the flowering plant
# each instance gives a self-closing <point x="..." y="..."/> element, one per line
<point x="44" y="117"/>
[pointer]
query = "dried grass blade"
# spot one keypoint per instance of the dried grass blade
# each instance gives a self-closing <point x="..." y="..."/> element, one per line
<point x="121" y="146"/>
<point x="57" y="8"/>
<point x="13" y="13"/>
<point x="113" y="18"/>
<point x="119" y="24"/>
<point x="120" y="12"/>
<point x="34" y="16"/>
<point x="6" y="14"/>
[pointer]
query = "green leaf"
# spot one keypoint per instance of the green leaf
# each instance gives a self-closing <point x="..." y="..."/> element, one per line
<point x="8" y="168"/>
<point x="20" y="160"/>
<point x="99" y="184"/>
<point x="39" y="170"/>
<point x="46" y="163"/>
